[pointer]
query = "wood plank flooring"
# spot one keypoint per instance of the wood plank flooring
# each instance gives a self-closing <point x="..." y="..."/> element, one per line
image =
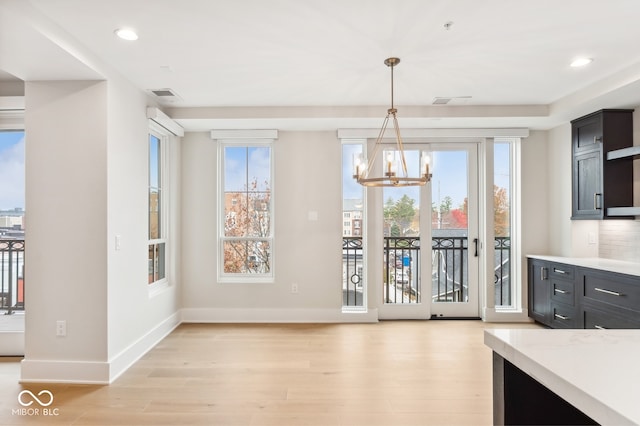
<point x="393" y="373"/>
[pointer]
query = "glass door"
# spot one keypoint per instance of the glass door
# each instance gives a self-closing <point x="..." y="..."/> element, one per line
<point x="455" y="248"/>
<point x="430" y="261"/>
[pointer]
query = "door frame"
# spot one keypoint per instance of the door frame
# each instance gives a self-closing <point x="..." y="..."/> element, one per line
<point x="423" y="310"/>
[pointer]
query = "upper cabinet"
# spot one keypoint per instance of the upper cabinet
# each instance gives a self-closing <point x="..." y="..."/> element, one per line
<point x="600" y="186"/>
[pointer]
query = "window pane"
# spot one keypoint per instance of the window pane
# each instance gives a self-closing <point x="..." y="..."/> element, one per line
<point x="160" y="259"/>
<point x="155" y="188"/>
<point x="154" y="161"/>
<point x="353" y="286"/>
<point x="247" y="256"/>
<point x="12" y="174"/>
<point x="235" y="214"/>
<point x="502" y="223"/>
<point x="156" y="262"/>
<point x="154" y="214"/>
<point x="259" y="218"/>
<point x="259" y="169"/>
<point x="235" y="169"/>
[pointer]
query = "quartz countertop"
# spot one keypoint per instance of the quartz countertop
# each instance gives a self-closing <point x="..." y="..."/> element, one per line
<point x="596" y="371"/>
<point x="611" y="265"/>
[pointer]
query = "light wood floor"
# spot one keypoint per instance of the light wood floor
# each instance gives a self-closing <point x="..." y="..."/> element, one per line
<point x="394" y="373"/>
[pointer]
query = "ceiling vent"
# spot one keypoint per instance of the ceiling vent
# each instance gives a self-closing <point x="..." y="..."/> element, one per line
<point x="165" y="96"/>
<point x="164" y="93"/>
<point x="441" y="100"/>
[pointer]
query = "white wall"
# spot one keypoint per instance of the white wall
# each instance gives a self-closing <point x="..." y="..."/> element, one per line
<point x="86" y="157"/>
<point x="558" y="183"/>
<point x="137" y="320"/>
<point x="307" y="252"/>
<point x="66" y="266"/>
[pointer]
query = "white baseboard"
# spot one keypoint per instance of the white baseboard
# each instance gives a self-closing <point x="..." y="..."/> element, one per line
<point x="80" y="372"/>
<point x="126" y="358"/>
<point x="243" y="315"/>
<point x="95" y="372"/>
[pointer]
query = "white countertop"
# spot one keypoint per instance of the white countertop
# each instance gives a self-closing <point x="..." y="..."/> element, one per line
<point x="597" y="371"/>
<point x="619" y="266"/>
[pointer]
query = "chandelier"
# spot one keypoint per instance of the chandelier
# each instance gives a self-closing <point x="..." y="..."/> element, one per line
<point x="395" y="165"/>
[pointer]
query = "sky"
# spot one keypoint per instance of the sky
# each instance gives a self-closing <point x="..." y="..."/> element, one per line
<point x="243" y="165"/>
<point x="11" y="170"/>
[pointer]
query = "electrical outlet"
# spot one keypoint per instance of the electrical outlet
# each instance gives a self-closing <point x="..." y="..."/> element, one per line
<point x="61" y="328"/>
<point x="294" y="288"/>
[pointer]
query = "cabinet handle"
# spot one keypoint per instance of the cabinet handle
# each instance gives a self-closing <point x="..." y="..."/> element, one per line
<point x="562" y="317"/>
<point x="559" y="271"/>
<point x="556" y="290"/>
<point x="605" y="291"/>
<point x="543" y="273"/>
<point x="599" y="327"/>
<point x="596" y="205"/>
<point x="597" y="139"/>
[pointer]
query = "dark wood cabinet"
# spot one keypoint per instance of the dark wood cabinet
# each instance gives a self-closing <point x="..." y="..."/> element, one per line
<point x="598" y="183"/>
<point x="552" y="299"/>
<point x="539" y="296"/>
<point x="567" y="296"/>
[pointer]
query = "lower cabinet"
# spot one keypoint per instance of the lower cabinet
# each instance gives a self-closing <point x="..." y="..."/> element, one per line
<point x="567" y="296"/>
<point x="603" y="319"/>
<point x="552" y="295"/>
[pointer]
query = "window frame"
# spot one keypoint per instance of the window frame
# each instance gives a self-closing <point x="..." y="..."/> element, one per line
<point x="516" y="304"/>
<point x="245" y="277"/>
<point x="361" y="269"/>
<point x="162" y="135"/>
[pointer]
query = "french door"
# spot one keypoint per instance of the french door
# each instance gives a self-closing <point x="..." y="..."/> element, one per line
<point x="430" y="238"/>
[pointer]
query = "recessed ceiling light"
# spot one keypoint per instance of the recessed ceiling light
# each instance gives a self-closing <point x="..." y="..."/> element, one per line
<point x="126" y="34"/>
<point x="581" y="62"/>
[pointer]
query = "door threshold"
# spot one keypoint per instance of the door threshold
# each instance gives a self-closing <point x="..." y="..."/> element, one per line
<point x="436" y="317"/>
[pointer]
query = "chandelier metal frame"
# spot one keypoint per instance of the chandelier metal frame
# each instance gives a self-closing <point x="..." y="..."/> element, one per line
<point x="365" y="175"/>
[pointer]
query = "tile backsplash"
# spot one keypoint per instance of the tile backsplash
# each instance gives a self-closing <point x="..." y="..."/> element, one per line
<point x="619" y="239"/>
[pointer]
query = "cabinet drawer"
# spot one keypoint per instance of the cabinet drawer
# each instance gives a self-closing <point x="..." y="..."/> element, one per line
<point x="563" y="316"/>
<point x="561" y="271"/>
<point x="613" y="289"/>
<point x="563" y="291"/>
<point x="595" y="318"/>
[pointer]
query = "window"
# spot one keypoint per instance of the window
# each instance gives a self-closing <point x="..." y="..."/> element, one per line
<point x="246" y="211"/>
<point x="353" y="247"/>
<point x="503" y="161"/>
<point x="157" y="207"/>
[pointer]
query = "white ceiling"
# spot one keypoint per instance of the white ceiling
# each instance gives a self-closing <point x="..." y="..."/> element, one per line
<point x="259" y="56"/>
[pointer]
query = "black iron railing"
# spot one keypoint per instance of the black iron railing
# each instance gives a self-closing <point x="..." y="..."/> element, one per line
<point x="502" y="271"/>
<point x="352" y="274"/>
<point x="401" y="270"/>
<point x="401" y="282"/>
<point x="11" y="275"/>
<point x="449" y="265"/>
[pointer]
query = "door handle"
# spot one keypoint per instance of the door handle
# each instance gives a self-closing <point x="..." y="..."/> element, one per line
<point x="475" y="242"/>
<point x="596" y="198"/>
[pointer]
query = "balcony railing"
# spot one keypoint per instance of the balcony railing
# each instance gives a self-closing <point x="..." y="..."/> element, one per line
<point x="502" y="271"/>
<point x="401" y="271"/>
<point x="352" y="271"/>
<point x="11" y="275"/>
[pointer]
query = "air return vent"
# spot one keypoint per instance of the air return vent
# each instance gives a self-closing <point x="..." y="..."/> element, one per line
<point x="164" y="93"/>
<point x="442" y="100"/>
